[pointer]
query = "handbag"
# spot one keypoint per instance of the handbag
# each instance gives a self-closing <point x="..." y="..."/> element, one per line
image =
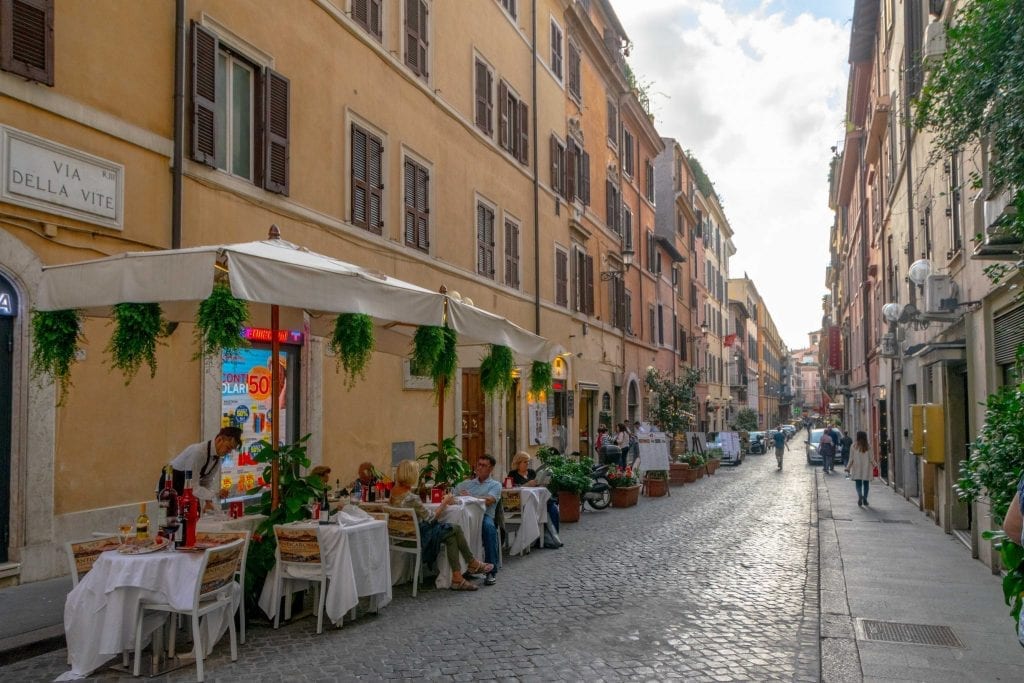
<point x="874" y="472"/>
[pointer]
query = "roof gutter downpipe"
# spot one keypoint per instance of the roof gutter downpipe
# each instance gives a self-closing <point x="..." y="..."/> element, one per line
<point x="179" y="121"/>
<point x="536" y="181"/>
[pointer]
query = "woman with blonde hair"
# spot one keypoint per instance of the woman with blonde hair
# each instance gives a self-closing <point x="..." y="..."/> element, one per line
<point x="522" y="475"/>
<point x="434" y="533"/>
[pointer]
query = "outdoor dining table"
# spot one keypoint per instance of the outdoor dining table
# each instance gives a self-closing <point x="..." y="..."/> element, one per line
<point x="468" y="513"/>
<point x="100" y="612"/>
<point x="356" y="560"/>
<point x="534" y="511"/>
<point x="219" y="523"/>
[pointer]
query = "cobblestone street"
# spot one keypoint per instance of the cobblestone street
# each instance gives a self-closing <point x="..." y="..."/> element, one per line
<point x="716" y="583"/>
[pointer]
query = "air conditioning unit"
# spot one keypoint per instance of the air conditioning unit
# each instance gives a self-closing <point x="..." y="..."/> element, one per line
<point x="940" y="294"/>
<point x="934" y="43"/>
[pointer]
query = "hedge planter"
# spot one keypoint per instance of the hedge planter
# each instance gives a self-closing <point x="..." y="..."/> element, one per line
<point x="568" y="506"/>
<point x="677" y="473"/>
<point x="625" y="496"/>
<point x="690" y="474"/>
<point x="656" y="488"/>
<point x="713" y="464"/>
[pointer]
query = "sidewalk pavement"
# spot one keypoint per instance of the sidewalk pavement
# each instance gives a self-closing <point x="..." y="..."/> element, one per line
<point x="33" y="618"/>
<point x="890" y="563"/>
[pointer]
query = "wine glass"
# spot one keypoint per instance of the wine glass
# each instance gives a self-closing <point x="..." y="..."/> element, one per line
<point x="124" y="530"/>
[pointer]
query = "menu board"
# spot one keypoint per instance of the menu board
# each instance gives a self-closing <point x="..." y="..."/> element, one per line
<point x="538" y="413"/>
<point x="653" y="451"/>
<point x="246" y="403"/>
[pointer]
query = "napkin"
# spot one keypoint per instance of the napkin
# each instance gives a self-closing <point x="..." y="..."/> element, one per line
<point x="352" y="514"/>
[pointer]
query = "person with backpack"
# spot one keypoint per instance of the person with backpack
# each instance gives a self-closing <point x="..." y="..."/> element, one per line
<point x="779" y="439"/>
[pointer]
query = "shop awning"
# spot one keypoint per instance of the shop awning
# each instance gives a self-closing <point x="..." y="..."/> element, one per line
<point x="275" y="272"/>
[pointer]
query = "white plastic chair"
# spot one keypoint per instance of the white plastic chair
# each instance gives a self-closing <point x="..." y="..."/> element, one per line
<point x="298" y="552"/>
<point x="511" y="505"/>
<point x="213" y="591"/>
<point x="82" y="556"/>
<point x="404" y="537"/>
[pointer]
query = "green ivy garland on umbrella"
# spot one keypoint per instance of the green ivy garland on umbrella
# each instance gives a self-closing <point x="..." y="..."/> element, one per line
<point x="434" y="354"/>
<point x="56" y="336"/>
<point x="219" y="322"/>
<point x="137" y="327"/>
<point x="496" y="370"/>
<point x="352" y="343"/>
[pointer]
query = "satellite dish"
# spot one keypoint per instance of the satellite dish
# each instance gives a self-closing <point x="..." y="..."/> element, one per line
<point x="891" y="312"/>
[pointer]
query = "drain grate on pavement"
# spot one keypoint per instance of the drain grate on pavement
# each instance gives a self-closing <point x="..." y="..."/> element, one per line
<point x="917" y="634"/>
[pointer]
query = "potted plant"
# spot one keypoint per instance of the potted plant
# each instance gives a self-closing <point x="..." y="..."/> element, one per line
<point x="713" y="458"/>
<point x="678" y="470"/>
<point x="442" y="465"/>
<point x="697" y="469"/>
<point x="656" y="483"/>
<point x="569" y="480"/>
<point x="625" y="487"/>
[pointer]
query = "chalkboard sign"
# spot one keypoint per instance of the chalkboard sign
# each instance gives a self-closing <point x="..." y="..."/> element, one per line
<point x="653" y="451"/>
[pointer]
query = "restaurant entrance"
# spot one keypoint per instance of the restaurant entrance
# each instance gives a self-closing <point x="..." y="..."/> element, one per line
<point x="8" y="309"/>
<point x="473" y="431"/>
<point x="585" y="419"/>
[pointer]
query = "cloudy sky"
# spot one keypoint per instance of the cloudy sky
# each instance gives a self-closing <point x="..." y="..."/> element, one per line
<point x="756" y="89"/>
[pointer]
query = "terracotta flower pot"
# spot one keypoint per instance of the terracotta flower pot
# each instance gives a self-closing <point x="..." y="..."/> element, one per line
<point x="677" y="473"/>
<point x="568" y="506"/>
<point x="691" y="475"/>
<point x="713" y="464"/>
<point x="657" y="487"/>
<point x="625" y="496"/>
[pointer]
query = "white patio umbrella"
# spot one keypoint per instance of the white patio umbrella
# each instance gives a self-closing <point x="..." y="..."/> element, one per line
<point x="278" y="273"/>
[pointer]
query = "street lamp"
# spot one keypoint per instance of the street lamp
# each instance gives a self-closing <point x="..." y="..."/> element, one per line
<point x="627" y="261"/>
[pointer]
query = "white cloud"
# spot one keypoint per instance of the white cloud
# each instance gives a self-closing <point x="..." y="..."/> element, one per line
<point x="758" y="96"/>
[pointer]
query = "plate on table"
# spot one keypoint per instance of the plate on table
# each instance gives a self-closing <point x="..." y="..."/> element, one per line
<point x="200" y="546"/>
<point x="143" y="547"/>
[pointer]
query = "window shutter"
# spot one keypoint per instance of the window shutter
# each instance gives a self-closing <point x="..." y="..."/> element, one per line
<point x="574" y="71"/>
<point x="511" y="254"/>
<point x="571" y="169"/>
<point x="423" y="38"/>
<point x="503" y="114"/>
<point x="276" y="133"/>
<point x="557" y="173"/>
<point x="422" y="209"/>
<point x="361" y="12"/>
<point x="204" y="95"/>
<point x="374" y="19"/>
<point x="524" y="138"/>
<point x="1007" y="335"/>
<point x="409" y="177"/>
<point x="27" y="39"/>
<point x="579" y="279"/>
<point x="590" y="285"/>
<point x="375" y="181"/>
<point x="561" y="278"/>
<point x="416" y="36"/>
<point x="609" y="204"/>
<point x="585" y="179"/>
<point x="620" y="300"/>
<point x="483" y="97"/>
<point x="360" y="186"/>
<point x="485" y="241"/>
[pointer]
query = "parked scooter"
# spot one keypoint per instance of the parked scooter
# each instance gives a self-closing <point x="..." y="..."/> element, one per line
<point x="600" y="494"/>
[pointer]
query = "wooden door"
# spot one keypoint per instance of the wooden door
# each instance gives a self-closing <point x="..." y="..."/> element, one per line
<point x="473" y="425"/>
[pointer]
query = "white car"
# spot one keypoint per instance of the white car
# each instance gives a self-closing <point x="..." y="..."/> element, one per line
<point x="813" y="457"/>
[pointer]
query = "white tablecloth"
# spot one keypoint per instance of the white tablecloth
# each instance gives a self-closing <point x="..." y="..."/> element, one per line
<point x="534" y="505"/>
<point x="356" y="561"/>
<point x="100" y="613"/>
<point x="219" y="523"/>
<point x="468" y="513"/>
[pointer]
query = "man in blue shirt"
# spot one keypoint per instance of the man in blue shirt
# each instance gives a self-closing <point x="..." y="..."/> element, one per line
<point x="779" y="439"/>
<point x="489" y="491"/>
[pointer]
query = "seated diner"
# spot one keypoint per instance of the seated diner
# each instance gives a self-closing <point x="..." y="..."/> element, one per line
<point x="434" y="533"/>
<point x="522" y="475"/>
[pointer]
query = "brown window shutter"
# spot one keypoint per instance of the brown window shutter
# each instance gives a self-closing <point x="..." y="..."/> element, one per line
<point x="276" y="132"/>
<point x="609" y="204"/>
<point x="555" y="154"/>
<point x="574" y="71"/>
<point x="511" y="254"/>
<point x="480" y="231"/>
<point x="409" y="177"/>
<point x="374" y="19"/>
<point x="620" y="300"/>
<point x="561" y="278"/>
<point x="524" y="138"/>
<point x="423" y="38"/>
<point x="585" y="179"/>
<point x="571" y="169"/>
<point x="590" y="285"/>
<point x="483" y="98"/>
<point x="204" y="95"/>
<point x="579" y="278"/>
<point x="375" y="181"/>
<point x="485" y="241"/>
<point x="26" y="39"/>
<point x="360" y="186"/>
<point x="361" y="12"/>
<point x="503" y="114"/>
<point x="422" y="209"/>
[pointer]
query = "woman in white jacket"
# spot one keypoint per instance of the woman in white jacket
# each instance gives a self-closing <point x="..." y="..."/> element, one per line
<point x="861" y="466"/>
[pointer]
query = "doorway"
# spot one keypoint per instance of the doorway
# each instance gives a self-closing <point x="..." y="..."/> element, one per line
<point x="8" y="311"/>
<point x="585" y="420"/>
<point x="473" y="424"/>
<point x="511" y="424"/>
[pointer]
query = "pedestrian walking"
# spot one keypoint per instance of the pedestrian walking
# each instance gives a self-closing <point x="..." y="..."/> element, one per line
<point x="827" y="451"/>
<point x="844" y="447"/>
<point x="780" y="443"/>
<point x="862" y="467"/>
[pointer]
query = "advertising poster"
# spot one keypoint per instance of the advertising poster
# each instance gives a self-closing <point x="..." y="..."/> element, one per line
<point x="653" y="451"/>
<point x="538" y="415"/>
<point x="246" y="403"/>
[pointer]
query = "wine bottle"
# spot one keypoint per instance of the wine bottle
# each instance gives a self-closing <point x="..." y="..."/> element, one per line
<point x="190" y="504"/>
<point x="142" y="524"/>
<point x="325" y="509"/>
<point x="167" y="512"/>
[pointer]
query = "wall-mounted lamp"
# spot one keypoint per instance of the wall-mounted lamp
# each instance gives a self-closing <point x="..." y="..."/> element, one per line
<point x="627" y="261"/>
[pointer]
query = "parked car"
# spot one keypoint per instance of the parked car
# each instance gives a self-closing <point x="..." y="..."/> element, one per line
<point x="790" y="430"/>
<point x="813" y="457"/>
<point x="757" y="446"/>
